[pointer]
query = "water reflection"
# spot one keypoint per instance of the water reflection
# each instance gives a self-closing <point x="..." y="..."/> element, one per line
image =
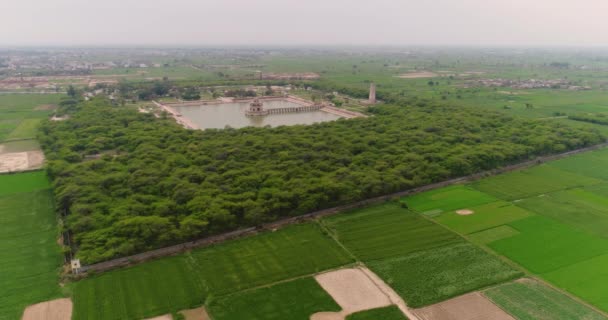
<point x="233" y="114"/>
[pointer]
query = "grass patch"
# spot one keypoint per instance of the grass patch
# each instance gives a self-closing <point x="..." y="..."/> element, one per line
<point x="20" y="146"/>
<point x="586" y="279"/>
<point x="386" y="313"/>
<point x="531" y="300"/>
<point x="23" y="182"/>
<point x="430" y="276"/>
<point x="29" y="253"/>
<point x="544" y="245"/>
<point x="530" y="182"/>
<point x="386" y="231"/>
<point x="485" y="216"/>
<point x="296" y="300"/>
<point x="182" y="282"/>
<point x="447" y="199"/>
<point x="494" y="234"/>
<point x="25" y="130"/>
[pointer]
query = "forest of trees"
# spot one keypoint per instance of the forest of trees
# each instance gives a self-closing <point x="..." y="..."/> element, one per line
<point x="131" y="182"/>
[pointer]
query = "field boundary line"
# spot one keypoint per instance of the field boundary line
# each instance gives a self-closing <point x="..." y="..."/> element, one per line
<point x="208" y="241"/>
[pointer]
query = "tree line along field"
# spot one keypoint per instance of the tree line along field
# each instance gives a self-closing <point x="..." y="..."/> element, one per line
<point x="549" y="219"/>
<point x="31" y="258"/>
<point x="150" y="174"/>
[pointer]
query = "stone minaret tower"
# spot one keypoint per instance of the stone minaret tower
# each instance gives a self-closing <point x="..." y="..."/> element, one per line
<point x="372" y="93"/>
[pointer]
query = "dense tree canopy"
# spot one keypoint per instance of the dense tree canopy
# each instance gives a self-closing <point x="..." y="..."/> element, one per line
<point x="132" y="182"/>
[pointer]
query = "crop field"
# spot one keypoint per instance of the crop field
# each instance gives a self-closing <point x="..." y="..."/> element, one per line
<point x="21" y="113"/>
<point x="386" y="313"/>
<point x="578" y="208"/>
<point x="485" y="216"/>
<point x="590" y="164"/>
<point x="297" y="300"/>
<point x="544" y="245"/>
<point x="586" y="279"/>
<point x="531" y="300"/>
<point x="448" y="199"/>
<point x="434" y="275"/>
<point x="30" y="256"/>
<point x="23" y="182"/>
<point x="386" y="231"/>
<point x="236" y="265"/>
<point x="554" y="225"/>
<point x="530" y="182"/>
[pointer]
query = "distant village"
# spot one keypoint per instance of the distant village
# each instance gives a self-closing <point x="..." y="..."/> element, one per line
<point x="527" y="84"/>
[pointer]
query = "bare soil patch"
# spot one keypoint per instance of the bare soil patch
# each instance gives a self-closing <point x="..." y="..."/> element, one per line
<point x="465" y="212"/>
<point x="21" y="161"/>
<point x="472" y="306"/>
<point x="196" y="314"/>
<point x="417" y="75"/>
<point x="163" y="317"/>
<point x="353" y="290"/>
<point x="60" y="309"/>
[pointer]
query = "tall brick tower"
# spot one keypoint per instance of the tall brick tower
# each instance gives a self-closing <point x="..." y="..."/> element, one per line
<point x="372" y="93"/>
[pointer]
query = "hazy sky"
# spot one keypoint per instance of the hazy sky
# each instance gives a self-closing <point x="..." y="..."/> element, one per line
<point x="304" y="22"/>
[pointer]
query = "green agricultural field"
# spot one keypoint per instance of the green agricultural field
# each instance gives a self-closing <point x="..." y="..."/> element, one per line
<point x="150" y="289"/>
<point x="493" y="234"/>
<point x="19" y="113"/>
<point x="434" y="275"/>
<point x="31" y="258"/>
<point x="578" y="208"/>
<point x="387" y="230"/>
<point x="544" y="245"/>
<point x="586" y="279"/>
<point x="530" y="182"/>
<point x="23" y="182"/>
<point x="387" y="313"/>
<point x="590" y="164"/>
<point x="531" y="300"/>
<point x="485" y="216"/>
<point x="222" y="269"/>
<point x="447" y="199"/>
<point x="296" y="300"/>
<point x="25" y="130"/>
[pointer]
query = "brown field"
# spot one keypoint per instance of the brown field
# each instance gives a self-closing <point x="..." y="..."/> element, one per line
<point x="60" y="309"/>
<point x="21" y="161"/>
<point x="196" y="314"/>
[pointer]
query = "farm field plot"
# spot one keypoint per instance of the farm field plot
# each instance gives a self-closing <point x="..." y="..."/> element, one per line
<point x="578" y="208"/>
<point x="20" y="113"/>
<point x="386" y="313"/>
<point x="530" y="182"/>
<point x="590" y="164"/>
<point x="586" y="279"/>
<point x="226" y="268"/>
<point x="485" y="216"/>
<point x="434" y="275"/>
<point x="146" y="290"/>
<point x="490" y="235"/>
<point x="23" y="182"/>
<point x="297" y="300"/>
<point x="531" y="300"/>
<point x="544" y="245"/>
<point x="447" y="199"/>
<point x="386" y="231"/>
<point x="31" y="258"/>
